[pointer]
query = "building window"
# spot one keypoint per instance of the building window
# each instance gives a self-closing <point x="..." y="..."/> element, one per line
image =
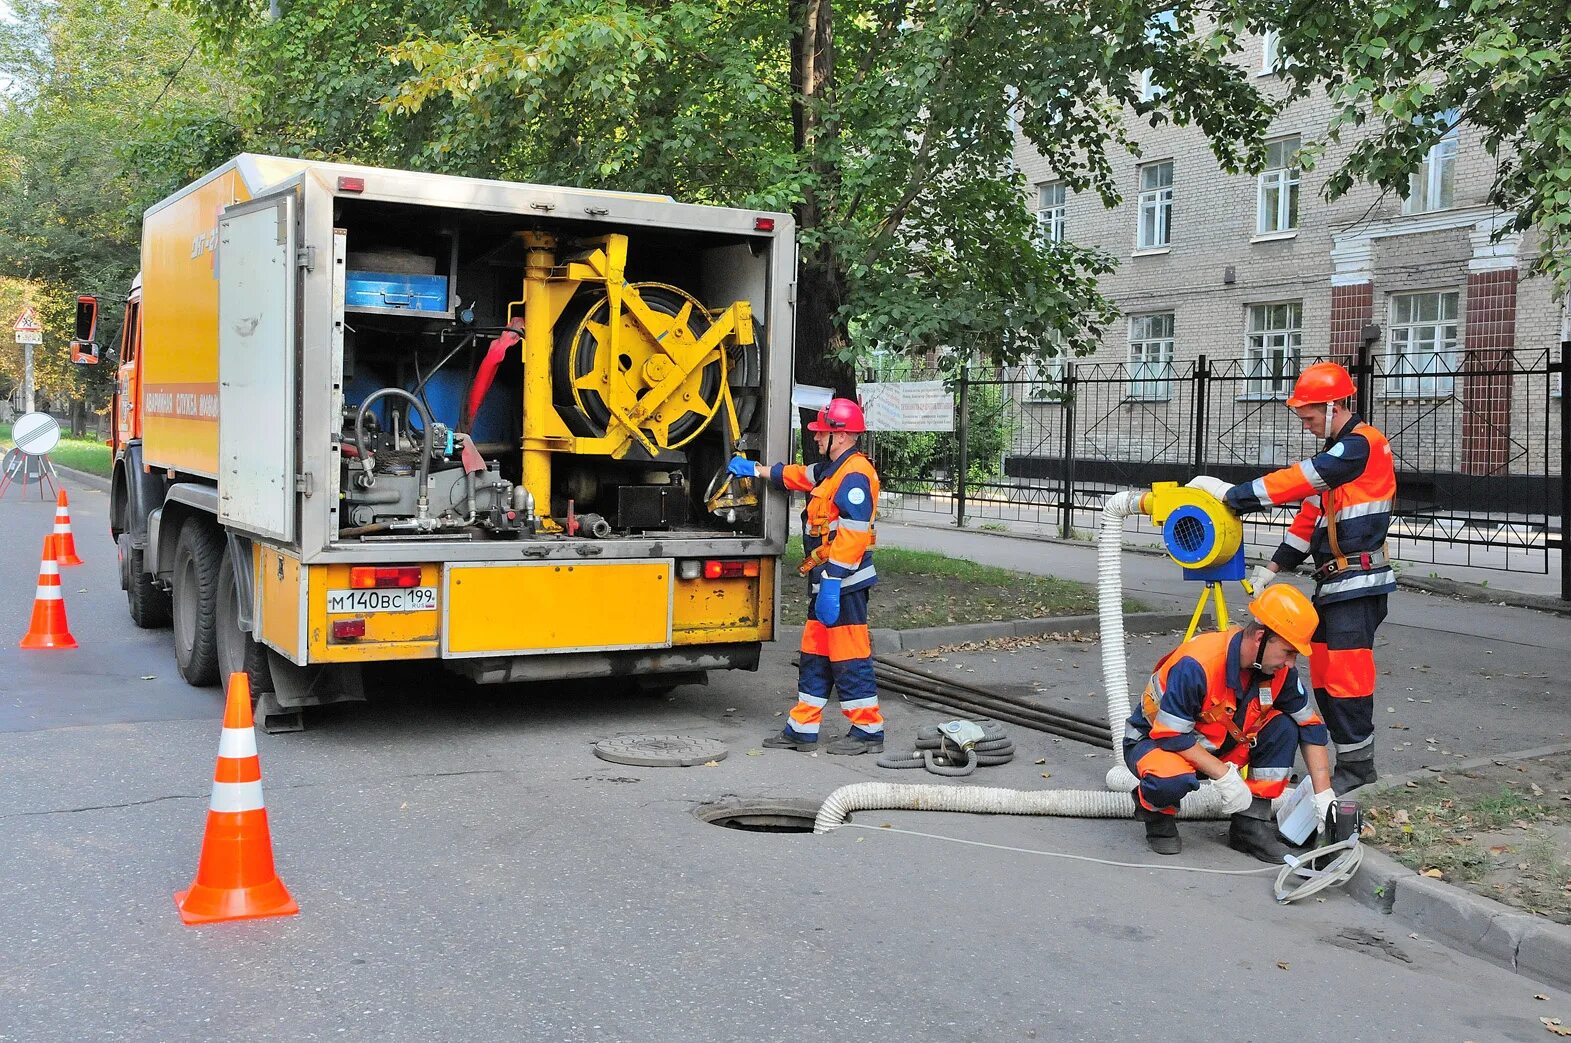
<point x="1433" y="184"/>
<point x="1156" y="205"/>
<point x="1150" y="90"/>
<point x="1162" y="25"/>
<point x="1271" y="346"/>
<point x="1421" y="352"/>
<point x="1044" y="380"/>
<point x="1270" y="52"/>
<point x="1151" y="357"/>
<point x="1277" y="193"/>
<point x="1050" y="210"/>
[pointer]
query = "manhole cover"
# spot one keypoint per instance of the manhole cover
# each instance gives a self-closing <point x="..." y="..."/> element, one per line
<point x="660" y="751"/>
<point x="761" y="814"/>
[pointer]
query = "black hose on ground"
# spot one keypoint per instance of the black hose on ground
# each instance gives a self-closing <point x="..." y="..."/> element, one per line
<point x="950" y="682"/>
<point x="1012" y="711"/>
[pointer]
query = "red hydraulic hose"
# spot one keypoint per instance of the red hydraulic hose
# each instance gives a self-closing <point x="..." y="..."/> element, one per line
<point x="487" y="371"/>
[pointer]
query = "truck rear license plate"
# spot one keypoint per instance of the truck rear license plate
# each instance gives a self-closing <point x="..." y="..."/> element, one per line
<point x="405" y="599"/>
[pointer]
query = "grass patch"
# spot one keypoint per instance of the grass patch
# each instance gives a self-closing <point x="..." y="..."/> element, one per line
<point x="1503" y="831"/>
<point x="922" y="589"/>
<point x="80" y="454"/>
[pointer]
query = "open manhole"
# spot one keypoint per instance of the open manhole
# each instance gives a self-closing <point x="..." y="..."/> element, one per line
<point x="761" y="814"/>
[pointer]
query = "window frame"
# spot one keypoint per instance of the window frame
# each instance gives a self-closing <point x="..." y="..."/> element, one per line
<point x="1436" y="173"/>
<point x="1142" y="385"/>
<point x="1159" y="200"/>
<point x="1259" y="386"/>
<point x="1052" y="219"/>
<point x="1285" y="180"/>
<point x="1448" y="350"/>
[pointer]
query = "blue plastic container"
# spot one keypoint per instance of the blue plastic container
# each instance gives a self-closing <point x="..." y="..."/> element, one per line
<point x="392" y="291"/>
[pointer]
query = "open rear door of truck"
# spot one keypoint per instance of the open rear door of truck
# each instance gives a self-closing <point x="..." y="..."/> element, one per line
<point x="256" y="367"/>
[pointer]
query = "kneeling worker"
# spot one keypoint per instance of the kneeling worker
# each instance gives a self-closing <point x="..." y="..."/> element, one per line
<point x="1226" y="700"/>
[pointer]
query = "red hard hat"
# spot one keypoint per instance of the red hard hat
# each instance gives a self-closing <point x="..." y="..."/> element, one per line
<point x="841" y="414"/>
<point x="1321" y="383"/>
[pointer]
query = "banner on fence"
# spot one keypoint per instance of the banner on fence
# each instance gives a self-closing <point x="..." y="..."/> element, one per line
<point x="918" y="405"/>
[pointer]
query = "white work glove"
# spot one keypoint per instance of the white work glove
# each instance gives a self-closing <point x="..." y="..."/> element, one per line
<point x="1323" y="801"/>
<point x="1233" y="791"/>
<point x="1206" y="484"/>
<point x="1260" y="577"/>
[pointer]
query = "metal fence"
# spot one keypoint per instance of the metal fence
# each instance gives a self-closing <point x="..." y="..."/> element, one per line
<point x="1480" y="440"/>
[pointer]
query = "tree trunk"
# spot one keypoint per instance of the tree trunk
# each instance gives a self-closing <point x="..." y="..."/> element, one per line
<point x="78" y="418"/>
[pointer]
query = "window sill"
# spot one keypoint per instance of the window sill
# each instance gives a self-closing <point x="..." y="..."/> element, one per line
<point x="1405" y="400"/>
<point x="1262" y="398"/>
<point x="1152" y="251"/>
<point x="1274" y="237"/>
<point x="1139" y="399"/>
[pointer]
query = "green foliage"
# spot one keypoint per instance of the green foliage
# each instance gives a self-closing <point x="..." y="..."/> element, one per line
<point x="1401" y="70"/>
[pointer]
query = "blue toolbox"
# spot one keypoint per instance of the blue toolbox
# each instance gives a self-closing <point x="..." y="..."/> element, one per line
<point x="395" y="291"/>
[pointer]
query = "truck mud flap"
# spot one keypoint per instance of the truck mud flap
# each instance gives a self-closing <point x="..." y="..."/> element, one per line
<point x="296" y="687"/>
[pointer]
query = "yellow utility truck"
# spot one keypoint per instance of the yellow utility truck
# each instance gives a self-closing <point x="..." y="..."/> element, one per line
<point x="369" y="415"/>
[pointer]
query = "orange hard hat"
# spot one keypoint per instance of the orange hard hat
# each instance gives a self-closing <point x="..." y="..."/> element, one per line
<point x="1321" y="383"/>
<point x="841" y="414"/>
<point x="1286" y="612"/>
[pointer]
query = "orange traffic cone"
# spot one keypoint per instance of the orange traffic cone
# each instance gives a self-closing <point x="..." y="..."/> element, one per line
<point x="48" y="628"/>
<point x="65" y="543"/>
<point x="235" y="878"/>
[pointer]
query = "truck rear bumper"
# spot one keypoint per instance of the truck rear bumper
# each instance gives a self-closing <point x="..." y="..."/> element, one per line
<point x="635" y="662"/>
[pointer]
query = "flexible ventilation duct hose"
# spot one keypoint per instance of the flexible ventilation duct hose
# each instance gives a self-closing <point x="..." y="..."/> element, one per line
<point x="1204" y="803"/>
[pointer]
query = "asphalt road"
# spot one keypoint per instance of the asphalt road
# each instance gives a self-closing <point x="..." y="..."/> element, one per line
<point x="466" y="869"/>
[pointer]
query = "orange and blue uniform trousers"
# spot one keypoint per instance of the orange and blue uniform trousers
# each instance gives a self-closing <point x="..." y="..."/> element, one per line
<point x="1202" y="692"/>
<point x="1346" y="493"/>
<point x="837" y="530"/>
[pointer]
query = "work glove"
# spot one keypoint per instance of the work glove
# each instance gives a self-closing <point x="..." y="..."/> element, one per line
<point x="1323" y="801"/>
<point x="1260" y="577"/>
<point x="826" y="606"/>
<point x="1233" y="791"/>
<point x="742" y="467"/>
<point x="1206" y="484"/>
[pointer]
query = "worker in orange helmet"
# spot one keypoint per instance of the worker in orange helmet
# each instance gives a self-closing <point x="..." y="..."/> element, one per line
<point x="837" y="540"/>
<point x="1223" y="701"/>
<point x="1346" y="493"/>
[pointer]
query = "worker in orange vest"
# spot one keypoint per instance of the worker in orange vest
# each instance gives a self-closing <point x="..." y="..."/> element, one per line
<point x="1223" y="701"/>
<point x="837" y="540"/>
<point x="1346" y="493"/>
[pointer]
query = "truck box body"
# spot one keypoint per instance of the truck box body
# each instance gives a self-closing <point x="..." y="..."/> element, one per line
<point x="279" y="298"/>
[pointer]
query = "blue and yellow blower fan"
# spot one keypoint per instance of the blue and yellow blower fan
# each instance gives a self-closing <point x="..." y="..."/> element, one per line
<point x="1202" y="536"/>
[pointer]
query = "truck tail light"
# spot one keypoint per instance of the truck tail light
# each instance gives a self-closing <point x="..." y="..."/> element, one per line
<point x="348" y="629"/>
<point x="730" y="569"/>
<point x="368" y="577"/>
<point x="763" y="224"/>
<point x="351" y="184"/>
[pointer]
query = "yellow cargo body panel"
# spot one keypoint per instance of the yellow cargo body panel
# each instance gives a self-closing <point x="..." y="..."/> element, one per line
<point x="551" y="607"/>
<point x="388" y="635"/>
<point x="279" y="599"/>
<point x="709" y="611"/>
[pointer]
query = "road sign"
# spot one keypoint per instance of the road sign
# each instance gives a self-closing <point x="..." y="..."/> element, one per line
<point x="35" y="433"/>
<point x="28" y="331"/>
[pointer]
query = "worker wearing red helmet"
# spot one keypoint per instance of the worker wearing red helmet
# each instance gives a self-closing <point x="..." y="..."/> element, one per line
<point x="837" y="539"/>
<point x="1224" y="701"/>
<point x="1346" y="493"/>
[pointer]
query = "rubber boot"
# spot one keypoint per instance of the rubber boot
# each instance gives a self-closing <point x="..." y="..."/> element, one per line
<point x="1353" y="770"/>
<point x="1161" y="830"/>
<point x="786" y="741"/>
<point x="1253" y="832"/>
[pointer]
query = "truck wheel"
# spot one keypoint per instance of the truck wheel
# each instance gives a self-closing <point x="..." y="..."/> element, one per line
<point x="237" y="651"/>
<point x="149" y="603"/>
<point x="198" y="555"/>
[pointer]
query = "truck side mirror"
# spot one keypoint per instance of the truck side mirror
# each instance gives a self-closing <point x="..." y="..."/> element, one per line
<point x="84" y="346"/>
<point x="86" y="318"/>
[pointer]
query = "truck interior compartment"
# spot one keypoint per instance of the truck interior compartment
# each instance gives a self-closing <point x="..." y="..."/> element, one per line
<point x="432" y="434"/>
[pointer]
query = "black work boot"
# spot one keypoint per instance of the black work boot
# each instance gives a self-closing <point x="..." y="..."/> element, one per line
<point x="786" y="741"/>
<point x="1161" y="830"/>
<point x="1253" y="831"/>
<point x="849" y="746"/>
<point x="1353" y="770"/>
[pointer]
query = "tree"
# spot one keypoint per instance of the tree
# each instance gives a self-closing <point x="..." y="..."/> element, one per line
<point x="886" y="125"/>
<point x="1404" y="72"/>
<point x="110" y="108"/>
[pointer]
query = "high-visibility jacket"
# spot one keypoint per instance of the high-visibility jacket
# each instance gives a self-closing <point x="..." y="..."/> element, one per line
<point x="837" y="524"/>
<point x="1346" y="491"/>
<point x="1197" y="695"/>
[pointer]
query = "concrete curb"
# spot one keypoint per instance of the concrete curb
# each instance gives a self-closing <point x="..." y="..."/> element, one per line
<point x="1529" y="945"/>
<point x="919" y="638"/>
<point x="82" y="478"/>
